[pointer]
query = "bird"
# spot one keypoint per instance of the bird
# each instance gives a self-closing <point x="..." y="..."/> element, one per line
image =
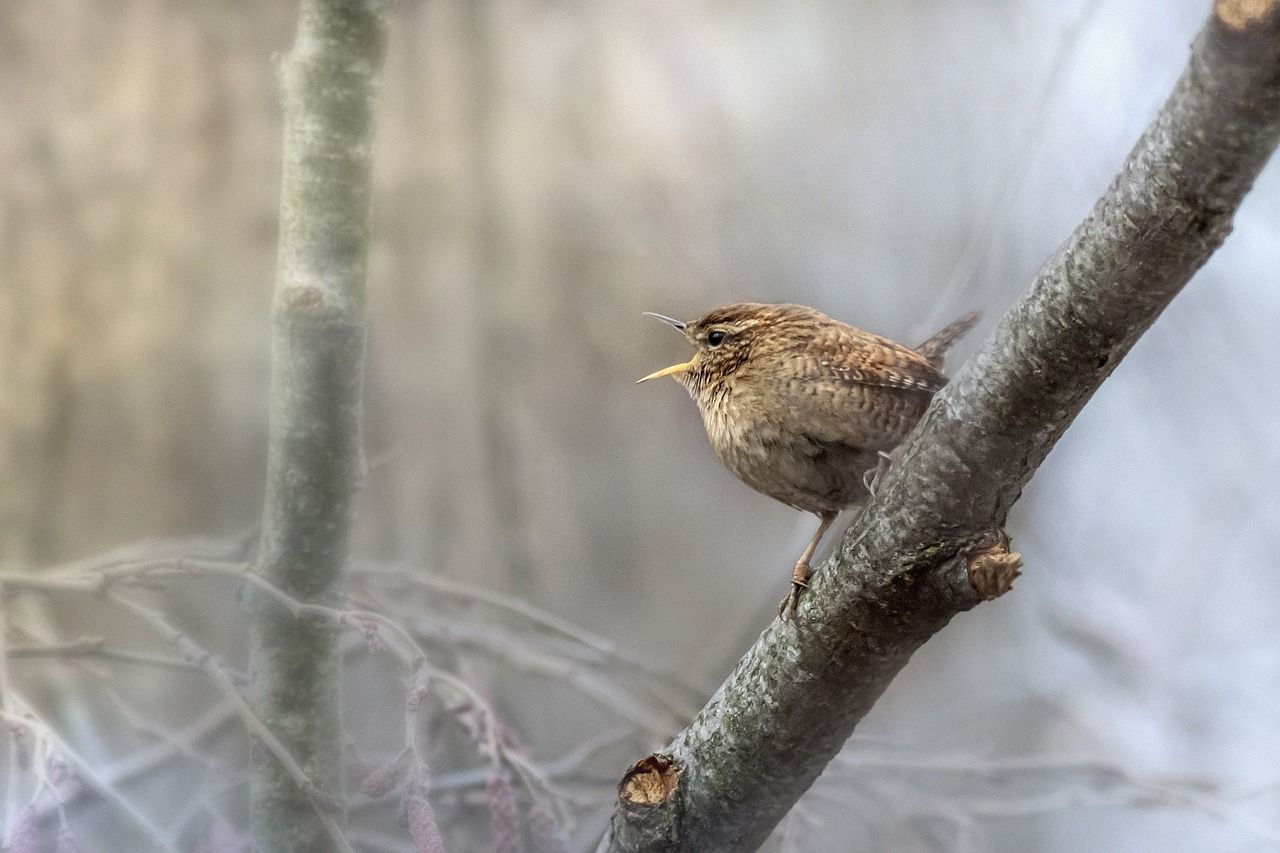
<point x="803" y="407"/>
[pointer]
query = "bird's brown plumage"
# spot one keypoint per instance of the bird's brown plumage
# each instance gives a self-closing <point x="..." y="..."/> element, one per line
<point x="800" y="405"/>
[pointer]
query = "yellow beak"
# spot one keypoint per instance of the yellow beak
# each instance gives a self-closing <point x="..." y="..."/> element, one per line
<point x="668" y="371"/>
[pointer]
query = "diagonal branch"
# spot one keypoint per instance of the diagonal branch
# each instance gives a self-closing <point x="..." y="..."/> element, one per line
<point x="930" y="544"/>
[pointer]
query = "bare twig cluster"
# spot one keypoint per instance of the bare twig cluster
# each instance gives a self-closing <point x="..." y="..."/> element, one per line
<point x="434" y="634"/>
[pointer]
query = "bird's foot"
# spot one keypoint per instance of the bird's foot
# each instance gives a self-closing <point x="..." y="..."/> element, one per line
<point x="871" y="479"/>
<point x="799" y="583"/>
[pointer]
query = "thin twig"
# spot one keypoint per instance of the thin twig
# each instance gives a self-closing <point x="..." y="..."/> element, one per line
<point x="321" y="802"/>
<point x="85" y="771"/>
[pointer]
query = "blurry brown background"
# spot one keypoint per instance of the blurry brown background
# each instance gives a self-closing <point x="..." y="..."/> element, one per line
<point x="545" y="172"/>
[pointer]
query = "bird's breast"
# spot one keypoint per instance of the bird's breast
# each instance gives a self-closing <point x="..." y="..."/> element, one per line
<point x="791" y="466"/>
<point x="748" y="441"/>
<point x="733" y="425"/>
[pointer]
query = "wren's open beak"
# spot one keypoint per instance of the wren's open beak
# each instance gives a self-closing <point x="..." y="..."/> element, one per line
<point x="678" y="325"/>
<point x="667" y="371"/>
<point x="670" y="321"/>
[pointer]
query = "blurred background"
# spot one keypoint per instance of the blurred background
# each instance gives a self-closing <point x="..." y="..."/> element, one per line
<point x="545" y="172"/>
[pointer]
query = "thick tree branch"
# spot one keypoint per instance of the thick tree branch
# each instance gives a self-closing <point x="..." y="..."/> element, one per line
<point x="930" y="544"/>
<point x="328" y="82"/>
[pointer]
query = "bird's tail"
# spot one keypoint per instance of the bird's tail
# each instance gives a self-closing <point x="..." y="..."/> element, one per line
<point x="936" y="347"/>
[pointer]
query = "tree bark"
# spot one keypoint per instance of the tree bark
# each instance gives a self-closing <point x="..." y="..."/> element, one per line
<point x="930" y="543"/>
<point x="314" y="464"/>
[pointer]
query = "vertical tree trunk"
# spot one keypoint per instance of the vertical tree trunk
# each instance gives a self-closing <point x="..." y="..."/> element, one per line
<point x="314" y="465"/>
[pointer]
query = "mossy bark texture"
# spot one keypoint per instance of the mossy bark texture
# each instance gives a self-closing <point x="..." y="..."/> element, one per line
<point x="929" y="545"/>
<point x="314" y="466"/>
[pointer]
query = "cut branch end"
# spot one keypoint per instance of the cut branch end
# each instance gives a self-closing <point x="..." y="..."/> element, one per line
<point x="650" y="782"/>
<point x="993" y="570"/>
<point x="1244" y="14"/>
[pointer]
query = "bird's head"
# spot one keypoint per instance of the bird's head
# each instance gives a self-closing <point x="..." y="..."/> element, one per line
<point x="722" y="342"/>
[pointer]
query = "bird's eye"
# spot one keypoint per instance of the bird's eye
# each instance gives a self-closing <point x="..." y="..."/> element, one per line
<point x="715" y="338"/>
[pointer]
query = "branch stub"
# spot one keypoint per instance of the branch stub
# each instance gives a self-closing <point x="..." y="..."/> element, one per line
<point x="993" y="570"/>
<point x="650" y="782"/>
<point x="1243" y="14"/>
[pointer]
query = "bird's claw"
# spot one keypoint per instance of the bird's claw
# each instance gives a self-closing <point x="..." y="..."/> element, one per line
<point x="871" y="479"/>
<point x="799" y="583"/>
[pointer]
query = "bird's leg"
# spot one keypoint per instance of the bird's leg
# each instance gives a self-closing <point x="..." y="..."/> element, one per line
<point x="871" y="479"/>
<point x="801" y="573"/>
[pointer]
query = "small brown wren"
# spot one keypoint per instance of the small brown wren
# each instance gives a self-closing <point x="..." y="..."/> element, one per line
<point x="801" y="406"/>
